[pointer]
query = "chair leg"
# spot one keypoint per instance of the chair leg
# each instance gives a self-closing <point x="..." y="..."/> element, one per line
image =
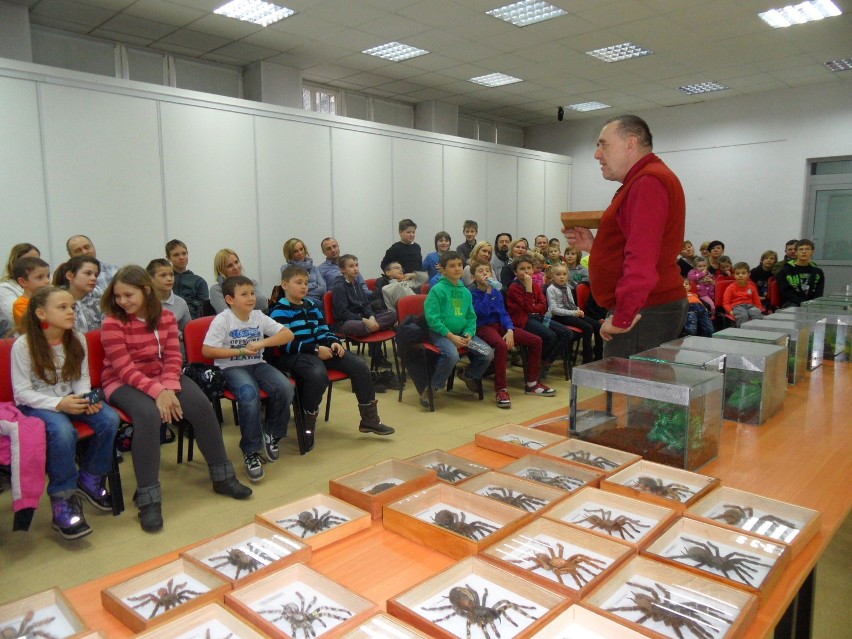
<point x="299" y="420"/>
<point x="235" y="410"/>
<point x="429" y="381"/>
<point x="217" y="409"/>
<point x="328" y="402"/>
<point x="114" y="483"/>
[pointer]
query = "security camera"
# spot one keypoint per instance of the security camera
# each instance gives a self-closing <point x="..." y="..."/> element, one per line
<point x="560" y="114"/>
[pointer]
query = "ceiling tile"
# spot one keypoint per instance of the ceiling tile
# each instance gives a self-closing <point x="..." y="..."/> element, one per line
<point x="124" y="38"/>
<point x="165" y="12"/>
<point x="224" y="27"/>
<point x="74" y="12"/>
<point x="140" y="27"/>
<point x="195" y="40"/>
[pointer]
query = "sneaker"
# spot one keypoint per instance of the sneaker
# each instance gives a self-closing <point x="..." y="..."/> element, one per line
<point x="270" y="444"/>
<point x="539" y="389"/>
<point x="471" y="384"/>
<point x="91" y="488"/>
<point x="503" y="399"/>
<point x="254" y="465"/>
<point x="68" y="518"/>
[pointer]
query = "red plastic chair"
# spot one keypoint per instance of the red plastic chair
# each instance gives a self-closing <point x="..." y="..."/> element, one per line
<point x="582" y="292"/>
<point x="413" y="305"/>
<point x="371" y="284"/>
<point x="774" y="293"/>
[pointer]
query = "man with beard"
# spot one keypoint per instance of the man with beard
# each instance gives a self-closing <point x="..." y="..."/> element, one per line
<point x="500" y="259"/>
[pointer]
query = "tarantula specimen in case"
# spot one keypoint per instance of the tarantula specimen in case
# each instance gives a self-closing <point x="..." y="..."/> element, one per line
<point x="704" y="553"/>
<point x="167" y="597"/>
<point x="735" y="515"/>
<point x="457" y="523"/>
<point x="653" y="486"/>
<point x="466" y="603"/>
<point x="235" y="558"/>
<point x="556" y="562"/>
<point x="311" y="522"/>
<point x="449" y="473"/>
<point x="303" y="616"/>
<point x="660" y="607"/>
<point x="563" y="482"/>
<point x="622" y="525"/>
<point x="28" y="628"/>
<point x="518" y="500"/>
<point x="587" y="458"/>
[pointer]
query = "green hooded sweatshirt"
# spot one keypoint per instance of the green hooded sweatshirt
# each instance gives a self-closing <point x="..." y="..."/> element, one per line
<point x="449" y="309"/>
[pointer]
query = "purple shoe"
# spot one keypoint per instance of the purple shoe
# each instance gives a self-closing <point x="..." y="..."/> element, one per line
<point x="68" y="518"/>
<point x="92" y="488"/>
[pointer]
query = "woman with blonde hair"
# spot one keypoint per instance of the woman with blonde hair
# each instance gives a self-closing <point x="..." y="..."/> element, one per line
<point x="226" y="263"/>
<point x="296" y="254"/>
<point x="480" y="254"/>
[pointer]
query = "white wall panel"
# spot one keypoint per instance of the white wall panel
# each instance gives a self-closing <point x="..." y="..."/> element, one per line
<point x="102" y="161"/>
<point x="418" y="192"/>
<point x="23" y="216"/>
<point x="294" y="190"/>
<point x="557" y="184"/>
<point x="363" y="206"/>
<point x="530" y="220"/>
<point x="211" y="195"/>
<point x="465" y="185"/>
<point x="501" y="196"/>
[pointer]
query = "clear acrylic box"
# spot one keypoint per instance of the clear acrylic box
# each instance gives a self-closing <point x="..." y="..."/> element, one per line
<point x="714" y="362"/>
<point x="665" y="413"/>
<point x="838" y="329"/>
<point x="815" y="328"/>
<point x="797" y="345"/>
<point x="778" y="338"/>
<point x="755" y="376"/>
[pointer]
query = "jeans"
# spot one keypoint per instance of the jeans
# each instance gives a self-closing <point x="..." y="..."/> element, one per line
<point x="311" y="374"/>
<point x="698" y="321"/>
<point x="244" y="382"/>
<point x="62" y="446"/>
<point x="659" y="324"/>
<point x="492" y="334"/>
<point x="449" y="357"/>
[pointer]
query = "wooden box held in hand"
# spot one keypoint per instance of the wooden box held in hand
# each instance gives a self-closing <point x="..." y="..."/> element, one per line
<point x="587" y="219"/>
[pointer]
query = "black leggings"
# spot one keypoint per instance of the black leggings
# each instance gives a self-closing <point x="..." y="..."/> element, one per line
<point x="312" y="377"/>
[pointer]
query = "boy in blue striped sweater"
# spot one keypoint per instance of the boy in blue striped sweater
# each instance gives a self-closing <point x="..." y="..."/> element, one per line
<point x="314" y="350"/>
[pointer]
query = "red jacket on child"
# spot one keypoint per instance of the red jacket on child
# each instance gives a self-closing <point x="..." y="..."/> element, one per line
<point x="736" y="295"/>
<point x="522" y="304"/>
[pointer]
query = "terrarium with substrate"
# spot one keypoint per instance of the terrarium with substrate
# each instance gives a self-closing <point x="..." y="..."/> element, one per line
<point x="837" y="345"/>
<point x="815" y="334"/>
<point x="797" y="346"/>
<point x="755" y="376"/>
<point x="754" y="333"/>
<point x="666" y="413"/>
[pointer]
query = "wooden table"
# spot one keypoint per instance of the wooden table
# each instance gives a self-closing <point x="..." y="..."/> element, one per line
<point x="800" y="456"/>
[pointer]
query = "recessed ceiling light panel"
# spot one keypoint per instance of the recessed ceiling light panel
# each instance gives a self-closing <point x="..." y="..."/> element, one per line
<point x="255" y="11"/>
<point x="527" y="12"/>
<point x="800" y="13"/>
<point x="619" y="52"/>
<point x="702" y="87"/>
<point x="395" y="51"/>
<point x="495" y="79"/>
<point x="839" y="65"/>
<point x="588" y="106"/>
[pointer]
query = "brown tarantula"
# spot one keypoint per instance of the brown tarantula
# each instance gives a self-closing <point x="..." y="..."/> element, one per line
<point x="167" y="597"/>
<point x="518" y="500"/>
<point x="653" y="486"/>
<point x="380" y="488"/>
<point x="449" y="473"/>
<point x="621" y="525"/>
<point x="704" y="553"/>
<point x="303" y="616"/>
<point x="585" y="457"/>
<point x="457" y="522"/>
<point x="236" y="558"/>
<point x="563" y="482"/>
<point x="28" y="628"/>
<point x="311" y="522"/>
<point x="466" y="603"/>
<point x="556" y="562"/>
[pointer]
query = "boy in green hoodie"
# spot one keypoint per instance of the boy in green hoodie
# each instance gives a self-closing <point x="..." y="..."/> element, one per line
<point x="452" y="325"/>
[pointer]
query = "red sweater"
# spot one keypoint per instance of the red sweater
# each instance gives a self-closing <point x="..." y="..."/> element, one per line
<point x="643" y="226"/>
<point x="735" y="295"/>
<point x="136" y="356"/>
<point x="522" y="304"/>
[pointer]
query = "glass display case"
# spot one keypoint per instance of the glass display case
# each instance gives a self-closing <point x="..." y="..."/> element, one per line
<point x="797" y="344"/>
<point x="755" y="376"/>
<point x="663" y="412"/>
<point x="778" y="338"/>
<point x="714" y="362"/>
<point x="815" y="327"/>
<point x="838" y="329"/>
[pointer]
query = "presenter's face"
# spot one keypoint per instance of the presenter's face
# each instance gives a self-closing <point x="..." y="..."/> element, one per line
<point x="613" y="153"/>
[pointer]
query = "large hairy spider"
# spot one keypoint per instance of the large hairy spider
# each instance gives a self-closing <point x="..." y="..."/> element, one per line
<point x="28" y="628"/>
<point x="526" y="443"/>
<point x="457" y="522"/>
<point x="621" y="525"/>
<point x="466" y="603"/>
<point x="734" y="515"/>
<point x="563" y="482"/>
<point x="449" y="473"/>
<point x="380" y="488"/>
<point x="518" y="500"/>
<point x="585" y="457"/>
<point x="675" y="492"/>
<point x="690" y="615"/>
<point x="303" y="616"/>
<point x="704" y="553"/>
<point x="556" y="562"/>
<point x="167" y="597"/>
<point x="311" y="522"/>
<point x="236" y="558"/>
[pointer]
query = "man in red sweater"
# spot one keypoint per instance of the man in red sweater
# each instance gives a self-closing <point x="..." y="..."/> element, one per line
<point x="632" y="267"/>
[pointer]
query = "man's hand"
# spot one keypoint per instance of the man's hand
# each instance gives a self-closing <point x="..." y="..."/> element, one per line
<point x="579" y="237"/>
<point x="608" y="330"/>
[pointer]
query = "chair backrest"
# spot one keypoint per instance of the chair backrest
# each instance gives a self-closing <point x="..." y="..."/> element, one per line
<point x="424" y="289"/>
<point x="721" y="287"/>
<point x="582" y="292"/>
<point x="193" y="339"/>
<point x="6" y="393"/>
<point x="96" y="356"/>
<point x="410" y="305"/>
<point x="774" y="293"/>
<point x="371" y="283"/>
<point x="328" y="308"/>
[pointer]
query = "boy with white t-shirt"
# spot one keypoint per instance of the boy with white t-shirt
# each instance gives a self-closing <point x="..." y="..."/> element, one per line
<point x="235" y="341"/>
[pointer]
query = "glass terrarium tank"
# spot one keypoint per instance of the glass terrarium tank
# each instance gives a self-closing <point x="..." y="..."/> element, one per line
<point x="755" y="376"/>
<point x="666" y="413"/>
<point x="778" y="338"/>
<point x="837" y="345"/>
<point x="707" y="361"/>
<point x="815" y="331"/>
<point x="798" y="356"/>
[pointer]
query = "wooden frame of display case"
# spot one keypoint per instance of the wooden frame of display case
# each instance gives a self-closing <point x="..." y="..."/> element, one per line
<point x="620" y="458"/>
<point x="579" y="621"/>
<point x="38" y="602"/>
<point x="195" y="620"/>
<point x="354" y="487"/>
<point x="434" y="457"/>
<point x="499" y="440"/>
<point x="513" y="484"/>
<point x="357" y="519"/>
<point x="587" y="476"/>
<point x="699" y="485"/>
<point x="383" y="626"/>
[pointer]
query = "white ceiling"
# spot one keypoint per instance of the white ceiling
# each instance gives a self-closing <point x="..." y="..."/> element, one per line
<point x="693" y="41"/>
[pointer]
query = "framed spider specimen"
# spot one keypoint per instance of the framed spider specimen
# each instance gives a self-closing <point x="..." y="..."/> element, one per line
<point x="45" y="615"/>
<point x="317" y="520"/>
<point x="374" y="486"/>
<point x="212" y="621"/>
<point x="660" y="484"/>
<point x="449" y="468"/>
<point x="590" y="455"/>
<point x="553" y="473"/>
<point x="515" y="440"/>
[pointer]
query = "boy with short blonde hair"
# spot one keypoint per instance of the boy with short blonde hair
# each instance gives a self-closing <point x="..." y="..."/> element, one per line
<point x="741" y="298"/>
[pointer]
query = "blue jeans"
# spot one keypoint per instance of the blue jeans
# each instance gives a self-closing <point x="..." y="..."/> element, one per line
<point x="698" y="321"/>
<point x="62" y="446"/>
<point x="244" y="382"/>
<point x="449" y="357"/>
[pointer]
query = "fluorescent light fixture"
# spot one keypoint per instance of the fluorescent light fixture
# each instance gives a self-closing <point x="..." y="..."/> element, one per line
<point x="527" y="12"/>
<point x="495" y="79"/>
<point x="256" y="11"/>
<point x="800" y="13"/>
<point x="702" y="87"/>
<point x="588" y="106"/>
<point x="395" y="51"/>
<point x="839" y="65"/>
<point x="619" y="52"/>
